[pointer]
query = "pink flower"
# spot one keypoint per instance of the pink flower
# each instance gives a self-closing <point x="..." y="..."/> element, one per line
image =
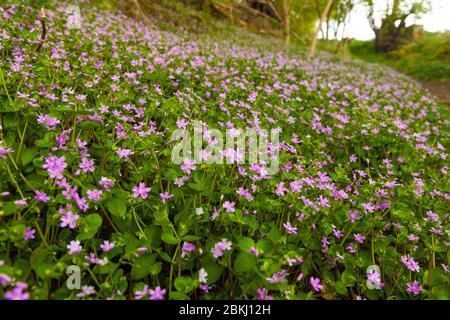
<point x="315" y="283"/>
<point x="125" y="154"/>
<point x="87" y="165"/>
<point x="41" y="196"/>
<point x="29" y="234"/>
<point x="141" y="191"/>
<point x="20" y="202"/>
<point x="17" y="292"/>
<point x="165" y="196"/>
<point x="280" y="189"/>
<point x="229" y="206"/>
<point x="4" y="151"/>
<point x="290" y="229"/>
<point x="410" y="263"/>
<point x="188" y="166"/>
<point x="74" y="247"/>
<point x="254" y="251"/>
<point x="69" y="219"/>
<point x="157" y="294"/>
<point x="359" y="238"/>
<point x="221" y="246"/>
<point x="187" y="248"/>
<point x="94" y="195"/>
<point x="106" y="183"/>
<point x="263" y="294"/>
<point x="107" y="246"/>
<point x="414" y="287"/>
<point x="244" y="193"/>
<point x="55" y="166"/>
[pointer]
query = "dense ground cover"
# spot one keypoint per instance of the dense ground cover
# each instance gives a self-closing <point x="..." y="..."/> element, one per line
<point x="87" y="177"/>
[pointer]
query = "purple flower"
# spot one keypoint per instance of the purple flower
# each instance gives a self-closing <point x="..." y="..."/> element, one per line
<point x="4" y="151"/>
<point x="263" y="294"/>
<point x="229" y="206"/>
<point x="87" y="165"/>
<point x="17" y="292"/>
<point x="92" y="258"/>
<point x="125" y="154"/>
<point x="290" y="229"/>
<point x="315" y="283"/>
<point x="106" y="183"/>
<point x="414" y="288"/>
<point x="188" y="166"/>
<point x="107" y="246"/>
<point x="244" y="193"/>
<point x="94" y="195"/>
<point x="280" y="189"/>
<point x="74" y="247"/>
<point x="41" y="196"/>
<point x="187" y="248"/>
<point x="5" y="279"/>
<point x="86" y="291"/>
<point x="374" y="277"/>
<point x="55" y="166"/>
<point x="141" y="191"/>
<point x="410" y="263"/>
<point x="29" y="234"/>
<point x="205" y="287"/>
<point x="157" y="294"/>
<point x="254" y="251"/>
<point x="141" y="294"/>
<point x="221" y="246"/>
<point x="165" y="196"/>
<point x="278" y="277"/>
<point x="20" y="202"/>
<point x="359" y="238"/>
<point x="69" y="219"/>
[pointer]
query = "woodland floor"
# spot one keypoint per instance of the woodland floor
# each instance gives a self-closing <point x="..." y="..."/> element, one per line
<point x="439" y="89"/>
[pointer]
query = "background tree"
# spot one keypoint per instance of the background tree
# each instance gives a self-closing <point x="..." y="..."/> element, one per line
<point x="313" y="45"/>
<point x="389" y="32"/>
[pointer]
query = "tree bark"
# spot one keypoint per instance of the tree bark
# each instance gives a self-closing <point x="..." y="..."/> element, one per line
<point x="286" y="22"/>
<point x="312" y="48"/>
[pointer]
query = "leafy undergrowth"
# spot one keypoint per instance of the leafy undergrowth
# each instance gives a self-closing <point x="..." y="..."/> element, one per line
<point x="87" y="178"/>
<point x="428" y="58"/>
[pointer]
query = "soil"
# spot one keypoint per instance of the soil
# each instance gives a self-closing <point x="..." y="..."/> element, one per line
<point x="441" y="90"/>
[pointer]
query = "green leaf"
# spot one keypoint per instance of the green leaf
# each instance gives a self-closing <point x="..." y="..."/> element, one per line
<point x="142" y="266"/>
<point x="191" y="238"/>
<point x="155" y="268"/>
<point x="117" y="206"/>
<point x="200" y="187"/>
<point x="153" y="234"/>
<point x="264" y="245"/>
<point x="168" y="238"/>
<point x="91" y="225"/>
<point x="245" y="243"/>
<point x="184" y="284"/>
<point x="213" y="269"/>
<point x="441" y="292"/>
<point x="175" y="295"/>
<point x="340" y="288"/>
<point x="27" y="156"/>
<point x="245" y="262"/>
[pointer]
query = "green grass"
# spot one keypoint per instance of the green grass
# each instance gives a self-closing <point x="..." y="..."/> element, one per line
<point x="428" y="58"/>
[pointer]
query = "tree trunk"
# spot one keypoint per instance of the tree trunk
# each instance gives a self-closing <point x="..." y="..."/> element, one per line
<point x="312" y="48"/>
<point x="286" y="22"/>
